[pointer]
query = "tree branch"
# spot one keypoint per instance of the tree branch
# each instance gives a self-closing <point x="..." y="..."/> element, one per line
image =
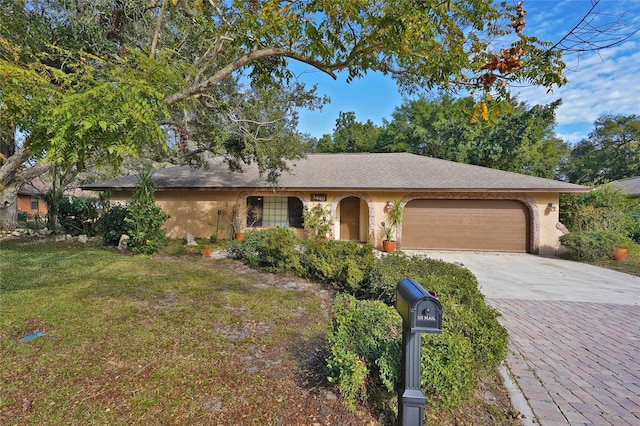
<point x="243" y="61"/>
<point x="156" y="33"/>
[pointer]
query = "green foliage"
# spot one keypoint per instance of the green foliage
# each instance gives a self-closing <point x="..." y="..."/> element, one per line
<point x="345" y="264"/>
<point x="78" y="216"/>
<point x="112" y="224"/>
<point x="365" y="339"/>
<point x="394" y="219"/>
<point x="274" y="249"/>
<point x="588" y="246"/>
<point x="472" y="338"/>
<point x="145" y="219"/>
<point x="449" y="369"/>
<point x="317" y="221"/>
<point x="514" y="137"/>
<point x="466" y="311"/>
<point x="81" y="87"/>
<point x="350" y="135"/>
<point x="606" y="208"/>
<point x="611" y="152"/>
<point x="359" y="334"/>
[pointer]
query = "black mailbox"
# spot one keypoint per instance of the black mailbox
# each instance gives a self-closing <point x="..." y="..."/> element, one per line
<point x="420" y="310"/>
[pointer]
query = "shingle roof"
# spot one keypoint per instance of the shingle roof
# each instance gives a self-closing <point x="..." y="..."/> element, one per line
<point x="34" y="187"/>
<point x="362" y="171"/>
<point x="630" y="186"/>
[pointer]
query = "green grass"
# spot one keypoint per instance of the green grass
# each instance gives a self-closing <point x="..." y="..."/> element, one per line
<point x="631" y="265"/>
<point x="145" y="340"/>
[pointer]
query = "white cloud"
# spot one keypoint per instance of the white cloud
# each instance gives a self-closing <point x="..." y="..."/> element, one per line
<point x="598" y="84"/>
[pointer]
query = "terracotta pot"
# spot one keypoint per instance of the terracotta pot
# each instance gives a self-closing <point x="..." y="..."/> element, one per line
<point x="239" y="236"/>
<point x="206" y="252"/>
<point x="620" y="254"/>
<point x="389" y="246"/>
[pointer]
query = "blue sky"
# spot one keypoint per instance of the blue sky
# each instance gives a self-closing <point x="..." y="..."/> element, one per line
<point x="604" y="82"/>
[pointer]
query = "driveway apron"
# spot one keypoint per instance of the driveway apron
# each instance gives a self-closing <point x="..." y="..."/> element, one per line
<point x="574" y="334"/>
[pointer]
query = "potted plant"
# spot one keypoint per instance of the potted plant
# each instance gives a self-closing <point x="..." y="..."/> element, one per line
<point x="388" y="244"/>
<point x="621" y="250"/>
<point x="205" y="251"/>
<point x="394" y="219"/>
<point x="236" y="219"/>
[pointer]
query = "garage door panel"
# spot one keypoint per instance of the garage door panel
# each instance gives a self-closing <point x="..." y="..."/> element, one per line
<point x="492" y="225"/>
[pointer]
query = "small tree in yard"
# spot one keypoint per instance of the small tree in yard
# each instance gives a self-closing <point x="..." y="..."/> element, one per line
<point x="145" y="219"/>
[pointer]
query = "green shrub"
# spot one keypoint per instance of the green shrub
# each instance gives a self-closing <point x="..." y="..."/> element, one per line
<point x="78" y="215"/>
<point x="112" y="224"/>
<point x="273" y="249"/>
<point x="591" y="245"/>
<point x="606" y="208"/>
<point x="145" y="219"/>
<point x="345" y="264"/>
<point x="317" y="222"/>
<point x="359" y="334"/>
<point x="464" y="305"/>
<point x="365" y="339"/>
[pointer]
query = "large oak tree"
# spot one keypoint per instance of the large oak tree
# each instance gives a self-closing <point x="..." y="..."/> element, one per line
<point x="85" y="81"/>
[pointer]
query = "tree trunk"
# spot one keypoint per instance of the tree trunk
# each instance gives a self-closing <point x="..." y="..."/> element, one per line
<point x="9" y="207"/>
<point x="7" y="141"/>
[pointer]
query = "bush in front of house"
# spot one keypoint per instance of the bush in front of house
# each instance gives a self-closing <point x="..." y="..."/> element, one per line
<point x="145" y="219"/>
<point x="78" y="216"/>
<point x="364" y="334"/>
<point x="344" y="264"/>
<point x="272" y="249"/>
<point x="364" y="363"/>
<point x="112" y="224"/>
<point x="589" y="246"/>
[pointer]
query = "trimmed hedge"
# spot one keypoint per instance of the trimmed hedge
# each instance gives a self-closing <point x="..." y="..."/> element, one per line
<point x="364" y="334"/>
<point x="591" y="245"/>
<point x="273" y="249"/>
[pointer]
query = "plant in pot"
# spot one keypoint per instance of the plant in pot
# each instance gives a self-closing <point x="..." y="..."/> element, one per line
<point x="205" y="249"/>
<point x="394" y="219"/>
<point x="236" y="219"/>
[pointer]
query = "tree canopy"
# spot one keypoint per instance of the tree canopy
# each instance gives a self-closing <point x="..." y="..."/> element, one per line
<point x="214" y="75"/>
<point x="517" y="138"/>
<point x="611" y="152"/>
<point x="90" y="82"/>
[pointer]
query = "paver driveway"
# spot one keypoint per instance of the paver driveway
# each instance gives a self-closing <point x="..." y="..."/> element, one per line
<point x="574" y="334"/>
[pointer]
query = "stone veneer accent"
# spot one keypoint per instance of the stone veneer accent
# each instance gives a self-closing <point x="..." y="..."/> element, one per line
<point x="362" y="195"/>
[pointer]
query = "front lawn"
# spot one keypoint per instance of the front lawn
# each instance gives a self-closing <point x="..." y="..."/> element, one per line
<point x="174" y="339"/>
<point x="163" y="340"/>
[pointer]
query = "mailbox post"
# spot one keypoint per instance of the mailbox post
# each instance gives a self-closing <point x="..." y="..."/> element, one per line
<point x="421" y="312"/>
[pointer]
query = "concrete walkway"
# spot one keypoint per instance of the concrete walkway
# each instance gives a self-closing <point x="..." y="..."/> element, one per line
<point x="574" y="335"/>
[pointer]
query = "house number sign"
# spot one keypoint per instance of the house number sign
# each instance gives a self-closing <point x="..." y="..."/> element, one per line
<point x="318" y="197"/>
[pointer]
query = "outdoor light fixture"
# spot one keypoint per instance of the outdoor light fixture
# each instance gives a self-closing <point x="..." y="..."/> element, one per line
<point x="319" y="206"/>
<point x="388" y="204"/>
<point x="551" y="207"/>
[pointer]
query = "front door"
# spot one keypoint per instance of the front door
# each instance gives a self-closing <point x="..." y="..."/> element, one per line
<point x="350" y="219"/>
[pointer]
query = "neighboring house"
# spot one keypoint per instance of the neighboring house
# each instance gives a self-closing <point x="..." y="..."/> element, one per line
<point x="630" y="186"/>
<point x="447" y="205"/>
<point x="29" y="198"/>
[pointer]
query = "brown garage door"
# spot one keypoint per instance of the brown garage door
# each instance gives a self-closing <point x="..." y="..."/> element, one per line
<point x="489" y="225"/>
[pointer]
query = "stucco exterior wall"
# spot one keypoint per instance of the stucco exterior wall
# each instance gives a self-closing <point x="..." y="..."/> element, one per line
<point x="195" y="211"/>
<point x="549" y="244"/>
